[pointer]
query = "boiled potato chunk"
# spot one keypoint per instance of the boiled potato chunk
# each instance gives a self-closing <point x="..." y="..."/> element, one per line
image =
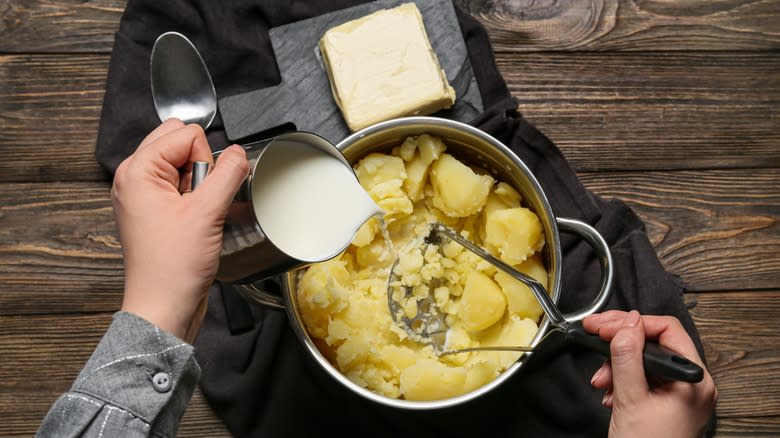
<point x="377" y="168"/>
<point x="514" y="234"/>
<point x="324" y="290"/>
<point x="508" y="195"/>
<point x="390" y="197"/>
<point x="409" y="263"/>
<point x="338" y="331"/>
<point x="520" y="299"/>
<point x="382" y="176"/>
<point x="424" y="146"/>
<point x="407" y="150"/>
<point x="374" y="254"/>
<point x="418" y="153"/>
<point x="431" y="380"/>
<point x="458" y="191"/>
<point x="482" y="303"/>
<point x="355" y="350"/>
<point x="502" y="196"/>
<point x="457" y="338"/>
<point x="417" y="175"/>
<point x="430" y="147"/>
<point x="365" y="234"/>
<point x="514" y="331"/>
<point x="397" y="357"/>
<point x="480" y="374"/>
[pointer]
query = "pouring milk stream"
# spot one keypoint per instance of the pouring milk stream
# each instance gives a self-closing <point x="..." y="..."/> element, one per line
<point x="301" y="204"/>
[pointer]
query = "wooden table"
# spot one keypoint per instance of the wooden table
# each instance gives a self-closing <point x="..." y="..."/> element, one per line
<point x="672" y="106"/>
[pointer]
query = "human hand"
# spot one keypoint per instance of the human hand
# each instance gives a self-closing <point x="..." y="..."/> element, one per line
<point x="640" y="409"/>
<point x="171" y="241"/>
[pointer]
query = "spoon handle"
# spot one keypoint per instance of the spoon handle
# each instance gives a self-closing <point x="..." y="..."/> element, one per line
<point x="199" y="171"/>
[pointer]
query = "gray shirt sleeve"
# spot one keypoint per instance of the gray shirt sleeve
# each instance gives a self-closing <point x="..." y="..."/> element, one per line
<point x="137" y="383"/>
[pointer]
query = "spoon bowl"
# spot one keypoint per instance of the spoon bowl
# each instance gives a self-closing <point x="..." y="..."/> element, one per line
<point x="181" y="83"/>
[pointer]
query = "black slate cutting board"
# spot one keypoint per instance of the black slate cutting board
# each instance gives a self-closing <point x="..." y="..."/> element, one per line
<point x="304" y="97"/>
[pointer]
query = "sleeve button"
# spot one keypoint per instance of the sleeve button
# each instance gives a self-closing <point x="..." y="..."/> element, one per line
<point x="161" y="382"/>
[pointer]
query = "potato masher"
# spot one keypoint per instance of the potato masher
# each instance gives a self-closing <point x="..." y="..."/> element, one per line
<point x="429" y="326"/>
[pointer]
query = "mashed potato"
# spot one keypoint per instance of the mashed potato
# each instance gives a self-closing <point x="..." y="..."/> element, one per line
<point x="344" y="303"/>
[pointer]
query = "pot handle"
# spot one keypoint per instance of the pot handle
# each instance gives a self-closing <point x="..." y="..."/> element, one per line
<point x="599" y="245"/>
<point x="251" y="293"/>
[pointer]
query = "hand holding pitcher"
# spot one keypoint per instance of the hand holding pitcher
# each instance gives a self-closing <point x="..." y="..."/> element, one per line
<point x="171" y="241"/>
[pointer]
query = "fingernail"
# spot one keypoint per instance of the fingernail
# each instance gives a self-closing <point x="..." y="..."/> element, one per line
<point x="598" y="374"/>
<point x="632" y="319"/>
<point x="607" y="399"/>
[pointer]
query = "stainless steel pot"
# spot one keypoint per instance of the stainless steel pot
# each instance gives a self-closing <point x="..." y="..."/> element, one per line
<point x="474" y="146"/>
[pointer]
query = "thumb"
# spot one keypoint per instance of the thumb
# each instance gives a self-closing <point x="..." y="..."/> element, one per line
<point x="629" y="383"/>
<point x="218" y="189"/>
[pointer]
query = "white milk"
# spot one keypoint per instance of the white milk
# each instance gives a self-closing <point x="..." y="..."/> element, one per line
<point x="307" y="202"/>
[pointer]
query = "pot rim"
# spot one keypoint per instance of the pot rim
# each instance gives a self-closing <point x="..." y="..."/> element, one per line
<point x="552" y="241"/>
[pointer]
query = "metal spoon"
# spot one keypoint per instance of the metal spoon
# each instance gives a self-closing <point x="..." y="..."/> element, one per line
<point x="429" y="325"/>
<point x="181" y="84"/>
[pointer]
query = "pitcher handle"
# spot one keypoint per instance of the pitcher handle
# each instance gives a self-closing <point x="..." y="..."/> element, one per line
<point x="251" y="293"/>
<point x="599" y="245"/>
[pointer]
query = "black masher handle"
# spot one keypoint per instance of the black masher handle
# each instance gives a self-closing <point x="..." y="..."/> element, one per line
<point x="659" y="362"/>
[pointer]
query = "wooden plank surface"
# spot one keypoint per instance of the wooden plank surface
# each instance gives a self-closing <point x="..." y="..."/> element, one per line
<point x="715" y="229"/>
<point x="652" y="110"/>
<point x="629" y="25"/>
<point x="739" y="330"/>
<point x="514" y="25"/>
<point x="59" y="248"/>
<point x="742" y="355"/>
<point x="50" y="104"/>
<point x="605" y="111"/>
<point x="748" y="427"/>
<point x="669" y="105"/>
<point x="61" y="26"/>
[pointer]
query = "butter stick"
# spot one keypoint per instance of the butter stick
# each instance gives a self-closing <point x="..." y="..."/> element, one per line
<point x="382" y="66"/>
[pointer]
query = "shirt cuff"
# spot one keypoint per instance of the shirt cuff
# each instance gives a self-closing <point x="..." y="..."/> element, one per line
<point x="142" y="369"/>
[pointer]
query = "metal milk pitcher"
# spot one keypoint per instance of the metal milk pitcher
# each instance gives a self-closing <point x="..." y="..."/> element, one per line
<point x="249" y="253"/>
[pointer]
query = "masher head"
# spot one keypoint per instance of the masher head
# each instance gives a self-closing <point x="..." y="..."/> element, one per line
<point x="411" y="301"/>
<point x="414" y="279"/>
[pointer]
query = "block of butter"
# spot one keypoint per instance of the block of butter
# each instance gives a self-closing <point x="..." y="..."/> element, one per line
<point x="382" y="66"/>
